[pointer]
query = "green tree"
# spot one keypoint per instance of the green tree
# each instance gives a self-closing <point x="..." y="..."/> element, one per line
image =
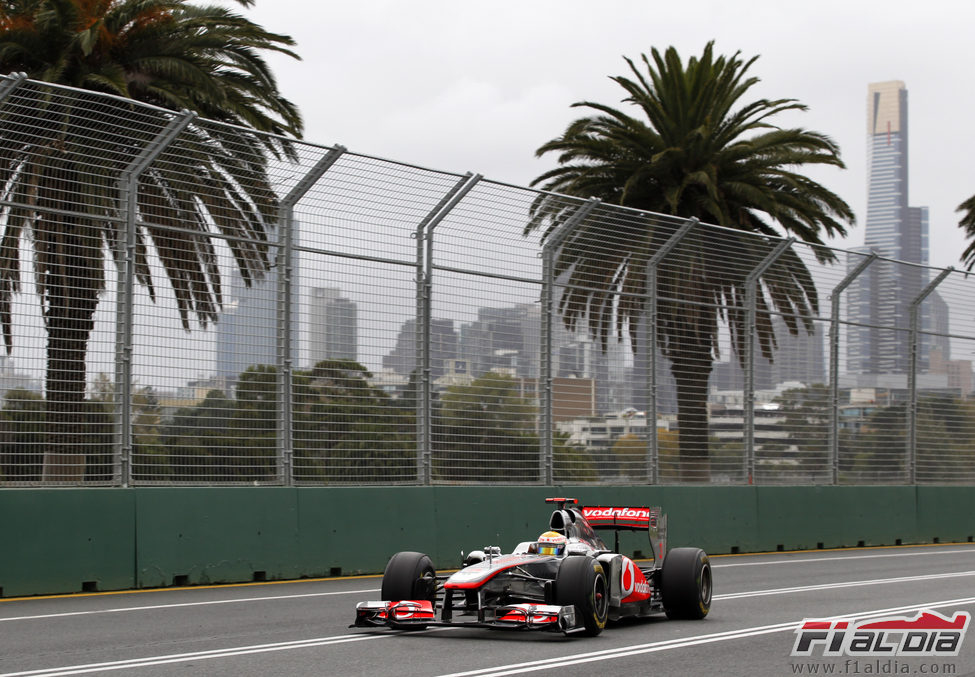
<point x="345" y="430"/>
<point x="570" y="463"/>
<point x="348" y="431"/>
<point x="486" y="431"/>
<point x="944" y="453"/>
<point x="668" y="452"/>
<point x="944" y="450"/>
<point x="807" y="420"/>
<point x="628" y="458"/>
<point x="878" y="452"/>
<point x="252" y="427"/>
<point x="946" y="439"/>
<point x="222" y="439"/>
<point x="97" y="425"/>
<point x="699" y="150"/>
<point x="63" y="187"/>
<point x="148" y="456"/>
<point x="197" y="441"/>
<point x="21" y="435"/>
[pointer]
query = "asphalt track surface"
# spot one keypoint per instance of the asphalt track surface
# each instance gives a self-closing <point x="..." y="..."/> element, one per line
<point x="301" y="628"/>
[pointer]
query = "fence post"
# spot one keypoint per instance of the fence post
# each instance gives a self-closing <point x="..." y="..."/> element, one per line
<point x="751" y="301"/>
<point x="834" y="364"/>
<point x="284" y="264"/>
<point x="8" y="83"/>
<point x="128" y="187"/>
<point x="915" y="308"/>
<point x="649" y="341"/>
<point x="546" y="463"/>
<point x="422" y="333"/>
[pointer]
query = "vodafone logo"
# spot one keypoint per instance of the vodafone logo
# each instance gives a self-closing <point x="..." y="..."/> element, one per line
<point x="628" y="577"/>
<point x="632" y="581"/>
<point x="617" y="513"/>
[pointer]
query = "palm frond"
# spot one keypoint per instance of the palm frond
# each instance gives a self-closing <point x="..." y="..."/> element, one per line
<point x="168" y="53"/>
<point x="967" y="223"/>
<point x="699" y="149"/>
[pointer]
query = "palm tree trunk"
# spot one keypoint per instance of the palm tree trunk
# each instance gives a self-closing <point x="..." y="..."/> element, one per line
<point x="691" y="370"/>
<point x="72" y="284"/>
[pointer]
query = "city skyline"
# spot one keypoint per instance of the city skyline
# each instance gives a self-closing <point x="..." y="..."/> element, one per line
<point x="378" y="344"/>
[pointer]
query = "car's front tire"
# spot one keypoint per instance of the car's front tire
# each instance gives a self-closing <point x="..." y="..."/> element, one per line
<point x="685" y="584"/>
<point x="581" y="581"/>
<point x="409" y="575"/>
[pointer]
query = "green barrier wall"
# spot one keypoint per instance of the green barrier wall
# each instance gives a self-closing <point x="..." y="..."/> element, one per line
<point x="66" y="540"/>
<point x="72" y="540"/>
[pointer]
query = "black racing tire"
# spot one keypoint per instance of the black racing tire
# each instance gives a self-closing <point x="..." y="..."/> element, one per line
<point x="409" y="575"/>
<point x="581" y="581"/>
<point x="685" y="584"/>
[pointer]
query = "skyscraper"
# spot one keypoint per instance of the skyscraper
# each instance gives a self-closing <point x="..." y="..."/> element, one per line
<point x="886" y="231"/>
<point x="879" y="301"/>
<point x="443" y="347"/>
<point x="333" y="326"/>
<point x="504" y="338"/>
<point x="247" y="327"/>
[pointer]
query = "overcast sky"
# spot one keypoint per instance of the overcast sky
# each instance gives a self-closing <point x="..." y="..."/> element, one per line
<point x="464" y="86"/>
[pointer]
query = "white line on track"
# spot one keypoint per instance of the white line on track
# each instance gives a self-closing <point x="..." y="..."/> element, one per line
<point x="156" y="607"/>
<point x="802" y="559"/>
<point x="845" y="584"/>
<point x="636" y="649"/>
<point x="194" y="656"/>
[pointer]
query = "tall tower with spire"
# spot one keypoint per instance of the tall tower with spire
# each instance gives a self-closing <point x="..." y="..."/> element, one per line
<point x="879" y="301"/>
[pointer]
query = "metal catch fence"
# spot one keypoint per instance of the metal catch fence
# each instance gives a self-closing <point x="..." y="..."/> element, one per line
<point x="186" y="302"/>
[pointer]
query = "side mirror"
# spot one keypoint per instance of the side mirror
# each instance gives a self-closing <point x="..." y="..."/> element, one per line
<point x="474" y="557"/>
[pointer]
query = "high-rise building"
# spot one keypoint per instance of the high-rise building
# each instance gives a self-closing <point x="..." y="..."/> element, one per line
<point x="443" y="348"/>
<point x="879" y="301"/>
<point x="505" y="339"/>
<point x="887" y="162"/>
<point x="333" y="332"/>
<point x="246" y="330"/>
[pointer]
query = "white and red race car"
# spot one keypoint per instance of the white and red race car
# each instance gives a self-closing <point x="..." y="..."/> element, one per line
<point x="567" y="581"/>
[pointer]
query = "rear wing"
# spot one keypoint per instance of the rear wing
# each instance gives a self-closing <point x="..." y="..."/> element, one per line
<point x="631" y="518"/>
<point x="621" y="517"/>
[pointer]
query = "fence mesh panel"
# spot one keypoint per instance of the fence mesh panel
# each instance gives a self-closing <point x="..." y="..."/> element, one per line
<point x="188" y="302"/>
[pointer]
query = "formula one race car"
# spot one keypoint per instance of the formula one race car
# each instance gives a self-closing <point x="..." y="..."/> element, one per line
<point x="566" y="581"/>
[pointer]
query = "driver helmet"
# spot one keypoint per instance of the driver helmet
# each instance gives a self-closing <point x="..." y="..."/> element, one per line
<point x="551" y="543"/>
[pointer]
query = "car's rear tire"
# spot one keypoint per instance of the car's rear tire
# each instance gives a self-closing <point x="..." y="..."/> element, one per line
<point x="409" y="575"/>
<point x="581" y="581"/>
<point x="685" y="584"/>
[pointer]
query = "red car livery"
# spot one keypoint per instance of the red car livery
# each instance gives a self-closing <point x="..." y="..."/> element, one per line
<point x="578" y="589"/>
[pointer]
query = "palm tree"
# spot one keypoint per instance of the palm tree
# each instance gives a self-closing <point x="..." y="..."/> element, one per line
<point x="59" y="165"/>
<point x="967" y="224"/>
<point x="698" y="151"/>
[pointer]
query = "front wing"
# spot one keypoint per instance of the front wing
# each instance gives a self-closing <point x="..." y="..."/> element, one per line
<point x="416" y="614"/>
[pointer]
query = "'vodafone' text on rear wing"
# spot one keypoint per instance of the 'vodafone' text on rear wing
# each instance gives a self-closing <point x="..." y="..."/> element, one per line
<point x="632" y="518"/>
